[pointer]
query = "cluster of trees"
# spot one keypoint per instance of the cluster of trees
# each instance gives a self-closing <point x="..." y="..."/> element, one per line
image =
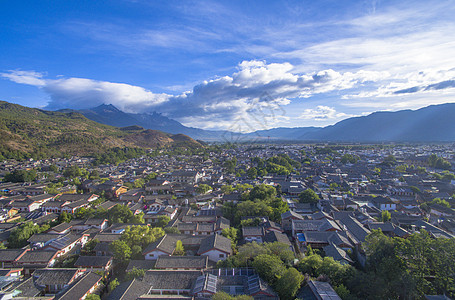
<point x="349" y="158"/>
<point x="117" y="214"/>
<point x="203" y="188"/>
<point x="444" y="176"/>
<point x="133" y="240"/>
<point x="426" y="206"/>
<point x="273" y="262"/>
<point x="389" y="161"/>
<point x="281" y="164"/>
<point x="21" y="176"/>
<point x="23" y="232"/>
<point x="438" y="162"/>
<point x="308" y="196"/>
<point x="230" y="165"/>
<point x="396" y="268"/>
<point x="261" y="201"/>
<point x="118" y="155"/>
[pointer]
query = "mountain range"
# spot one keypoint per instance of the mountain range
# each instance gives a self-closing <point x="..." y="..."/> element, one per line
<point x="433" y="123"/>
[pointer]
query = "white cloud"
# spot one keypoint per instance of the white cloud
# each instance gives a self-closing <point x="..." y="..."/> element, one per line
<point x="258" y="92"/>
<point x="322" y="113"/>
<point x="25" y="77"/>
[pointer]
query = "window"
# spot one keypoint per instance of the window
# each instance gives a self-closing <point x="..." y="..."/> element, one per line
<point x="221" y="255"/>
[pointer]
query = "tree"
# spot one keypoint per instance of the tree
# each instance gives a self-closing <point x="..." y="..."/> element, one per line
<point x="19" y="236"/>
<point x="121" y="251"/>
<point x="141" y="235"/>
<point x="163" y="221"/>
<point x="89" y="246"/>
<point x="231" y="233"/>
<point x="94" y="175"/>
<point x="281" y="251"/>
<point x="308" y="196"/>
<point x="289" y="283"/>
<point x="171" y="230"/>
<point x="438" y="162"/>
<point x="269" y="267"/>
<point x="120" y="214"/>
<point x="135" y="273"/>
<point x="203" y="188"/>
<point x="349" y="158"/>
<point x="229" y="165"/>
<point x="92" y="297"/>
<point x="385" y="216"/>
<point x="179" y="250"/>
<point x="72" y="172"/>
<point x="21" y="176"/>
<point x="112" y="285"/>
<point x="226" y="296"/>
<point x="252" y="173"/>
<point x="65" y="217"/>
<point x="227" y="189"/>
<point x="136" y="252"/>
<point x="262" y="192"/>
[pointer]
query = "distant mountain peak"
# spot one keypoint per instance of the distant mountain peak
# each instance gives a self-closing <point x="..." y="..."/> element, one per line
<point x="106" y="108"/>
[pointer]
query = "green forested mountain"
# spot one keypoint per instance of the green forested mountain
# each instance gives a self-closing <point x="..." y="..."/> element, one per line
<point x="30" y="132"/>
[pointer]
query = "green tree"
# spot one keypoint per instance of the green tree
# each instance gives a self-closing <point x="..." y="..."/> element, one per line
<point x="90" y="246"/>
<point x="252" y="173"/>
<point x="19" y="236"/>
<point x="269" y="267"/>
<point x="203" y="188"/>
<point x="141" y="235"/>
<point x="121" y="251"/>
<point x="262" y="192"/>
<point x="120" y="214"/>
<point x="227" y="189"/>
<point x="171" y="230"/>
<point x="135" y="273"/>
<point x="179" y="250"/>
<point x="92" y="297"/>
<point x="226" y="296"/>
<point x="385" y="216"/>
<point x="289" y="283"/>
<point x="112" y="285"/>
<point x="308" y="196"/>
<point x="163" y="221"/>
<point x="136" y="252"/>
<point x="232" y="234"/>
<point x="65" y="217"/>
<point x="21" y="176"/>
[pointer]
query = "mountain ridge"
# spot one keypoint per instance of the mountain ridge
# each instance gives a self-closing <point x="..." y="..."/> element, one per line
<point x="428" y="124"/>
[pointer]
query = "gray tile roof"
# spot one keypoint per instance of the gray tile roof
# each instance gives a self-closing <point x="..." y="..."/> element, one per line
<point x="181" y="262"/>
<point x="81" y="287"/>
<point x="7" y="255"/>
<point x="217" y="242"/>
<point x="92" y="261"/>
<point x="43" y="277"/>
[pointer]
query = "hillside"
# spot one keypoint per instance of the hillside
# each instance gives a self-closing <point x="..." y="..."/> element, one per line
<point x="43" y="133"/>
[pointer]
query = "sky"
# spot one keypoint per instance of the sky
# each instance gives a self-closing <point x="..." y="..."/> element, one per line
<point x="237" y="65"/>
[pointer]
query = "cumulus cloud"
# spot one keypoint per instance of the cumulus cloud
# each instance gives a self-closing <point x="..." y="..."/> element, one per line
<point x="80" y="93"/>
<point x="25" y="77"/>
<point x="322" y="113"/>
<point x="256" y="91"/>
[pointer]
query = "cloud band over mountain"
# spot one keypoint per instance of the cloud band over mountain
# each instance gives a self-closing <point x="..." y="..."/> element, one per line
<point x="213" y="103"/>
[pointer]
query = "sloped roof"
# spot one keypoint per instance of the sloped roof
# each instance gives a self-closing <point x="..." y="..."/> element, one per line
<point x="81" y="287"/>
<point x="189" y="262"/>
<point x="217" y="242"/>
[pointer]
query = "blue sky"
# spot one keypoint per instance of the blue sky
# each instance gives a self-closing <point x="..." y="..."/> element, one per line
<point x="216" y="65"/>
